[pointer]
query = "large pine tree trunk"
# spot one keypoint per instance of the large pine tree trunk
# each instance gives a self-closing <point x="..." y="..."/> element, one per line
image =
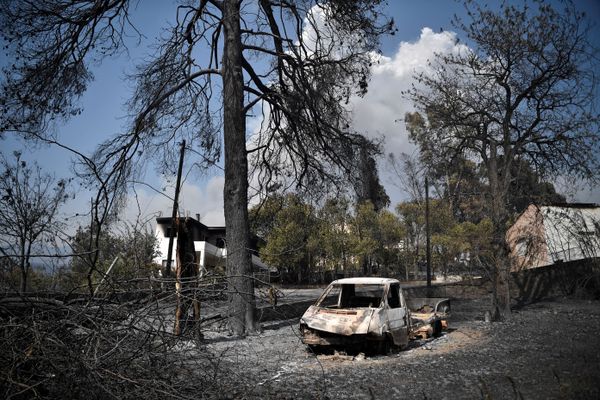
<point x="239" y="267"/>
<point x="500" y="269"/>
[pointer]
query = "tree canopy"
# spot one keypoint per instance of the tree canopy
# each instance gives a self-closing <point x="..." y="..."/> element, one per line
<point x="522" y="89"/>
<point x="296" y="63"/>
<point x="29" y="203"/>
<point x="315" y="243"/>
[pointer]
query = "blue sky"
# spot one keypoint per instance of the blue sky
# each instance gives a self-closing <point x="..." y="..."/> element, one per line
<point x="104" y="113"/>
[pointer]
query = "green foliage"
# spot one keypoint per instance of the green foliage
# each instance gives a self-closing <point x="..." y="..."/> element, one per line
<point x="464" y="184"/>
<point x="527" y="187"/>
<point x="307" y="244"/>
<point x="365" y="231"/>
<point x="38" y="279"/>
<point x="456" y="245"/>
<point x="525" y="89"/>
<point x="366" y="183"/>
<point x="335" y="240"/>
<point x="462" y="245"/>
<point x="288" y="226"/>
<point x="391" y="233"/>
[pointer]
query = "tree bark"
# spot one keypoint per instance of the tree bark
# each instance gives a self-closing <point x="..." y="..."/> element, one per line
<point x="23" y="267"/>
<point x="235" y="195"/>
<point x="186" y="279"/>
<point x="23" y="285"/>
<point x="500" y="269"/>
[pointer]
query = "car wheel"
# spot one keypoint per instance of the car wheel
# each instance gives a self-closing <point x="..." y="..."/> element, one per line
<point x="385" y="346"/>
<point x="437" y="328"/>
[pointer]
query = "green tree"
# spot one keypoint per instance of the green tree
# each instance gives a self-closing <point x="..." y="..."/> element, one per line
<point x="366" y="181"/>
<point x="478" y="240"/>
<point x="334" y="235"/>
<point x="527" y="187"/>
<point x="391" y="234"/>
<point x="289" y="241"/>
<point x="461" y="184"/>
<point x="376" y="236"/>
<point x="365" y="234"/>
<point x="261" y="216"/>
<point x="525" y="90"/>
<point x="412" y="217"/>
<point x="444" y="245"/>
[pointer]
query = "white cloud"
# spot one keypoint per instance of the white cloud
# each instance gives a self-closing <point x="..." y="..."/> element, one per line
<point x="206" y="200"/>
<point x="321" y="34"/>
<point x="380" y="113"/>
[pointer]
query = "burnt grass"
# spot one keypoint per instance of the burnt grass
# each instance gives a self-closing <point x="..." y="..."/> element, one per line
<point x="545" y="350"/>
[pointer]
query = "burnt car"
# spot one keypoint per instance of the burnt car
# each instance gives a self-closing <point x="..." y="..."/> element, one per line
<point x="371" y="312"/>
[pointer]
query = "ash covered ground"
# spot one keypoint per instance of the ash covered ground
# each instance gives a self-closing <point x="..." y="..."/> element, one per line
<point x="546" y="350"/>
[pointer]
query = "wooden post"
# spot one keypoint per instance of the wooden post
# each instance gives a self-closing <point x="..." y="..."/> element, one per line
<point x="175" y="209"/>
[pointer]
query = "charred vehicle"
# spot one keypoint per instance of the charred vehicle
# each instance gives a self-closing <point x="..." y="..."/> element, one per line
<point x="372" y="312"/>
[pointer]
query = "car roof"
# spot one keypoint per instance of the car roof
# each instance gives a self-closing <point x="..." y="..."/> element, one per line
<point x="365" y="281"/>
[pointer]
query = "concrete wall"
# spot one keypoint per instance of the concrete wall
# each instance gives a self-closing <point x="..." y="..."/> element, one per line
<point x="561" y="279"/>
<point x="580" y="278"/>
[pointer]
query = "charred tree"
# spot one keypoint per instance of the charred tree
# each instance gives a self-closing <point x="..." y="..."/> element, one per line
<point x="186" y="283"/>
<point x="199" y="85"/>
<point x="366" y="182"/>
<point x="235" y="193"/>
<point x="29" y="204"/>
<point x="524" y="91"/>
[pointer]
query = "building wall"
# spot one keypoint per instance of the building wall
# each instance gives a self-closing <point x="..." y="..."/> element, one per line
<point x="526" y="241"/>
<point x="546" y="235"/>
<point x="209" y="254"/>
<point x="206" y="252"/>
<point x="572" y="233"/>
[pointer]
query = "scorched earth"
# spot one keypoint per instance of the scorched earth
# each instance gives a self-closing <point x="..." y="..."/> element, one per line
<point x="546" y="350"/>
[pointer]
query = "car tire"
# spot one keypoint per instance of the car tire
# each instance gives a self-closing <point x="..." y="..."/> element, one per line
<point x="385" y="346"/>
<point x="437" y="328"/>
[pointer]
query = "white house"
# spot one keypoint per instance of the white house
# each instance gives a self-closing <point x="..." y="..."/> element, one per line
<point x="209" y="244"/>
<point x="544" y="235"/>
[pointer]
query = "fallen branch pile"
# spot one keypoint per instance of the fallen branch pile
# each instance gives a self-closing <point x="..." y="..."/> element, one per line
<point x="96" y="349"/>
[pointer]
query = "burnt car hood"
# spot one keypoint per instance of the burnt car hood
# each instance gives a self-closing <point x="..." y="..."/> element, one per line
<point x="339" y="321"/>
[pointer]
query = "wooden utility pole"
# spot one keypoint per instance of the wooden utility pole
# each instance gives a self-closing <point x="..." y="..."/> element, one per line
<point x="175" y="209"/>
<point x="427" y="233"/>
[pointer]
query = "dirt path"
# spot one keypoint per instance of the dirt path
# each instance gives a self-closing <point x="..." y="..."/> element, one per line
<point x="548" y="350"/>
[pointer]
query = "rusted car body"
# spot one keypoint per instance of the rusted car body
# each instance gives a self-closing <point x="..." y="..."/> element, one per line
<point x="372" y="312"/>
